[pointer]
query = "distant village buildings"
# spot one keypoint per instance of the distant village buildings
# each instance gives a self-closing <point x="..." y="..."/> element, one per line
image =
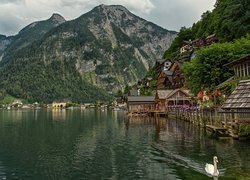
<point x="60" y="104"/>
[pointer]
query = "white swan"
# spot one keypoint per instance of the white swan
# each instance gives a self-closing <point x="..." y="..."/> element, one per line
<point x="212" y="169"/>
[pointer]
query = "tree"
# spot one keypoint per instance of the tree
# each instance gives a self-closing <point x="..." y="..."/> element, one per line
<point x="207" y="69"/>
<point x="184" y="34"/>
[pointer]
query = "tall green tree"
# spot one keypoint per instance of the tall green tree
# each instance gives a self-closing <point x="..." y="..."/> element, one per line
<point x="207" y="69"/>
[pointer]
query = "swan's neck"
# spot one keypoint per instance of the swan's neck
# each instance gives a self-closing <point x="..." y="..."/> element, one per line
<point x="215" y="168"/>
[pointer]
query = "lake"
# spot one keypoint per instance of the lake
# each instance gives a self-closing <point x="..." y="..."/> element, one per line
<point x="105" y="144"/>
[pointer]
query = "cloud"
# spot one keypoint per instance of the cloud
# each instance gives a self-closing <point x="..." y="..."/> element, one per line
<point x="143" y="6"/>
<point x="174" y="14"/>
<point x="11" y="1"/>
<point x="170" y="14"/>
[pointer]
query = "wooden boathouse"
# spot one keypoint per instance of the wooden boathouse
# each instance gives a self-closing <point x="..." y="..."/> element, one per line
<point x="140" y="105"/>
<point x="236" y="111"/>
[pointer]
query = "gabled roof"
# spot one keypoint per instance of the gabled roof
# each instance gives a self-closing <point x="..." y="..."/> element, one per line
<point x="176" y="90"/>
<point x="141" y="98"/>
<point x="240" y="97"/>
<point x="166" y="94"/>
<point x="163" y="94"/>
<point x="211" y="36"/>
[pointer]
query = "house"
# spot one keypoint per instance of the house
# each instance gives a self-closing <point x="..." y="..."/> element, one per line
<point x="236" y="110"/>
<point x="177" y="78"/>
<point x="239" y="100"/>
<point x="164" y="80"/>
<point x="165" y="98"/>
<point x="59" y="104"/>
<point x="172" y="78"/>
<point x="241" y="67"/>
<point x="17" y="103"/>
<point x="160" y="99"/>
<point x="159" y="64"/>
<point x="197" y="43"/>
<point x="137" y="104"/>
<point x="186" y="46"/>
<point x="211" y="39"/>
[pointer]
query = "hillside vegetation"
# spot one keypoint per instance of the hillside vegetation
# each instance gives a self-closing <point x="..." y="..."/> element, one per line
<point x="207" y="69"/>
<point x="229" y="20"/>
<point x="84" y="60"/>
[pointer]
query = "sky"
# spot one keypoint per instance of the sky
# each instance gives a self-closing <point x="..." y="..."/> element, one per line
<point x="169" y="14"/>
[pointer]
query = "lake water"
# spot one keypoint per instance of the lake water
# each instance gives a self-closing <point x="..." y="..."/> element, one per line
<point x="104" y="144"/>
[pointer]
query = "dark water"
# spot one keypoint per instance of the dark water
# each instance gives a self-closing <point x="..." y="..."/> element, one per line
<point x="97" y="144"/>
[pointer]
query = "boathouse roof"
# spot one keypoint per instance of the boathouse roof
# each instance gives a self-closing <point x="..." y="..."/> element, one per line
<point x="240" y="97"/>
<point x="163" y="94"/>
<point x="166" y="94"/>
<point x="141" y="98"/>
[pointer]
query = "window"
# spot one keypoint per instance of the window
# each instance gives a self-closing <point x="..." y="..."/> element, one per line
<point x="248" y="68"/>
<point x="242" y="70"/>
<point x="245" y="69"/>
<point x="238" y="71"/>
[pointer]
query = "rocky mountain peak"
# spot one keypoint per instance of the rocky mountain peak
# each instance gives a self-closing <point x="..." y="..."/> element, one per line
<point x="57" y="18"/>
<point x="106" y="48"/>
<point x="114" y="11"/>
<point x="112" y="8"/>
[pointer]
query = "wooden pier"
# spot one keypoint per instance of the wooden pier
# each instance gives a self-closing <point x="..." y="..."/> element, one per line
<point x="151" y="113"/>
<point x="218" y="131"/>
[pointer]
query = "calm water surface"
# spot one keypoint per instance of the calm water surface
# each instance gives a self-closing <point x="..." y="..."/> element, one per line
<point x="104" y="144"/>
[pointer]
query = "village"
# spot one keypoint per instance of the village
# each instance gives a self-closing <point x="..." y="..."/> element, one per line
<point x="224" y="116"/>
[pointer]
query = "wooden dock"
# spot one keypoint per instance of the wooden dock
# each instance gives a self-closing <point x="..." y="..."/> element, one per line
<point x="218" y="131"/>
<point x="148" y="113"/>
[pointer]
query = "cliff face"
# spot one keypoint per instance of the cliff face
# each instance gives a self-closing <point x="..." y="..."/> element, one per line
<point x="106" y="48"/>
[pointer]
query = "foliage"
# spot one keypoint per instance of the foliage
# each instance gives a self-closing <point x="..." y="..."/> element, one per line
<point x="207" y="69"/>
<point x="36" y="81"/>
<point x="119" y="93"/>
<point x="71" y="104"/>
<point x="184" y="34"/>
<point x="244" y="129"/>
<point x="7" y="99"/>
<point x="50" y="61"/>
<point x="127" y="89"/>
<point x="228" y="87"/>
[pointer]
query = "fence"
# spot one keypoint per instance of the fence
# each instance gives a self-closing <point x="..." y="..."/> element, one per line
<point x="202" y="117"/>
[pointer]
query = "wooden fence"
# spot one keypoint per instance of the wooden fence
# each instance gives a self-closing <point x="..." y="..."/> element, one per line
<point x="197" y="116"/>
<point x="234" y="124"/>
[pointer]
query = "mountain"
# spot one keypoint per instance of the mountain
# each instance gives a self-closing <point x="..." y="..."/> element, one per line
<point x="106" y="48"/>
<point x="30" y="34"/>
<point x="4" y="42"/>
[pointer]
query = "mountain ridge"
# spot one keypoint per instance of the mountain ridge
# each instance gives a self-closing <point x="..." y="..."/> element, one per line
<point x="107" y="48"/>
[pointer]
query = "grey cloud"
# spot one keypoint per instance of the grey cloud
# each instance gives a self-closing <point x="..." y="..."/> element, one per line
<point x="169" y="14"/>
<point x="173" y="15"/>
<point x="76" y="3"/>
<point x="11" y="1"/>
<point x="9" y="26"/>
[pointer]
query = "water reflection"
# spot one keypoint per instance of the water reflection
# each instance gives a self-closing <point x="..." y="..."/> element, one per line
<point x="105" y="144"/>
<point x="59" y="114"/>
<point x="181" y="144"/>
